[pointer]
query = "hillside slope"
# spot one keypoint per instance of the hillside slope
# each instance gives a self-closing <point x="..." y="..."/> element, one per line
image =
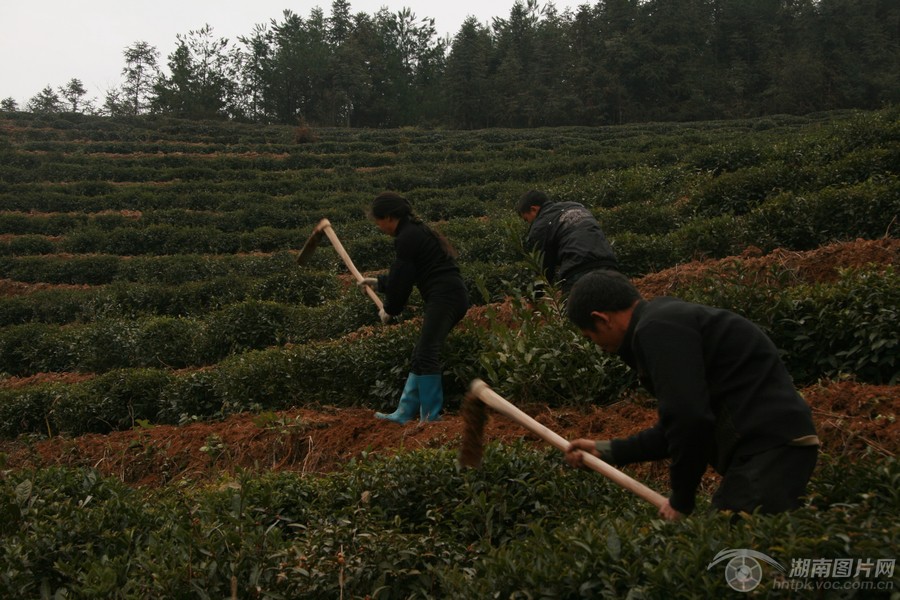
<point x="850" y="416"/>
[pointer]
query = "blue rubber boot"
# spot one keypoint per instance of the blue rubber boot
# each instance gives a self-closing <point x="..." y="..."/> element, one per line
<point x="431" y="395"/>
<point x="409" y="402"/>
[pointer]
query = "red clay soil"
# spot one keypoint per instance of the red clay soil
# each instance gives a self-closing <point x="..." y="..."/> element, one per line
<point x="850" y="417"/>
<point x="9" y="287"/>
<point x="815" y="266"/>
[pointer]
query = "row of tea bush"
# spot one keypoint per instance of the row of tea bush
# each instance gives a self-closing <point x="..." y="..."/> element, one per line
<point x="824" y="330"/>
<point x="416" y="526"/>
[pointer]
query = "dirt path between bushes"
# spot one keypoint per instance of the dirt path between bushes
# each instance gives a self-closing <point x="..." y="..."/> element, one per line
<point x="850" y="418"/>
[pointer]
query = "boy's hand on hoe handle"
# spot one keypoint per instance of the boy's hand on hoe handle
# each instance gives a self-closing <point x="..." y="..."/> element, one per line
<point x="668" y="513"/>
<point x="602" y="450"/>
<point x="371" y="282"/>
<point x="576" y="450"/>
<point x="598" y="448"/>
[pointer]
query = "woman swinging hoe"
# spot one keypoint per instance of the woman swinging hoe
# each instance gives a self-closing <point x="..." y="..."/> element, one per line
<point x="426" y="260"/>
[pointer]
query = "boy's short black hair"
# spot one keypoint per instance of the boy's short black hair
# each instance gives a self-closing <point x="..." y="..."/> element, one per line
<point x="601" y="291"/>
<point x="529" y="199"/>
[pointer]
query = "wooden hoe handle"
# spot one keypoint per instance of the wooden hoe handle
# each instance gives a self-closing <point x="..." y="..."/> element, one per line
<point x="484" y="393"/>
<point x="325" y="225"/>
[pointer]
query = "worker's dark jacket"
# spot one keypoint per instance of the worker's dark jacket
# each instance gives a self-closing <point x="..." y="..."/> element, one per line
<point x="722" y="389"/>
<point x="421" y="262"/>
<point x="571" y="240"/>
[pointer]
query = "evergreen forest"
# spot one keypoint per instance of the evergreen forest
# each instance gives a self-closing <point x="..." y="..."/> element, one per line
<point x="608" y="62"/>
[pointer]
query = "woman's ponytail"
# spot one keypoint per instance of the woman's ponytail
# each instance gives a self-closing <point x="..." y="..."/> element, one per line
<point x="392" y="204"/>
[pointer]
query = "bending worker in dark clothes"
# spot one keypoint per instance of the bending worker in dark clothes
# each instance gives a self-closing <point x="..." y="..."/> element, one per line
<point x="426" y="260"/>
<point x="569" y="237"/>
<point x="724" y="396"/>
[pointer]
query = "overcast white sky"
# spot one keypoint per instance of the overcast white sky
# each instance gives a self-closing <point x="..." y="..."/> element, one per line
<point x="49" y="42"/>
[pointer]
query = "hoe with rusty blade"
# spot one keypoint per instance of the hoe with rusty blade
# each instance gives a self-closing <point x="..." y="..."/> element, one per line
<point x="324" y="229"/>
<point x="474" y="413"/>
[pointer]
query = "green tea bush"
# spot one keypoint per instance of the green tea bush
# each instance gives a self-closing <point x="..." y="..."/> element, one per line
<point x="247" y="325"/>
<point x="102" y="346"/>
<point x="35" y="347"/>
<point x="373" y="252"/>
<point x="191" y="395"/>
<point x="153" y="239"/>
<point x="193" y="298"/>
<point x="615" y="188"/>
<point x="606" y="552"/>
<point x="258" y="380"/>
<point x="666" y="193"/>
<point x="58" y="519"/>
<point x="26" y="411"/>
<point x="414" y="525"/>
<point x="612" y="555"/>
<point x="112" y="401"/>
<point x="46" y="198"/>
<point x="824" y="330"/>
<point x="36" y="224"/>
<point x="436" y="205"/>
<point x="846" y="328"/>
<point x="640" y="254"/>
<point x="119" y="338"/>
<point x="298" y="286"/>
<point x="134" y="300"/>
<point x="17" y="166"/>
<point x="268" y="239"/>
<point x="494" y="280"/>
<point x="857" y="167"/>
<point x="422" y="517"/>
<point x="306" y="374"/>
<point x="178" y="269"/>
<point x="25" y="245"/>
<point x="714" y="237"/>
<point x="641" y="218"/>
<point x="725" y="158"/>
<point x="167" y="342"/>
<point x="346" y="315"/>
<point x="86" y="240"/>
<point x="57" y="306"/>
<point x="113" y="221"/>
<point x="761" y="295"/>
<point x="738" y="192"/>
<point x="372" y="370"/>
<point x="535" y="355"/>
<point x="783" y="222"/>
<point x="483" y="240"/>
<point x="92" y="270"/>
<point x="866" y="210"/>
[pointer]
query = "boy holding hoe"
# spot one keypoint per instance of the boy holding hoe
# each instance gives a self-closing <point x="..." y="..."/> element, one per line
<point x="724" y="396"/>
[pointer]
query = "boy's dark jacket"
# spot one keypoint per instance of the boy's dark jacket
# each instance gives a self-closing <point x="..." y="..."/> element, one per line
<point x="722" y="391"/>
<point x="571" y="239"/>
